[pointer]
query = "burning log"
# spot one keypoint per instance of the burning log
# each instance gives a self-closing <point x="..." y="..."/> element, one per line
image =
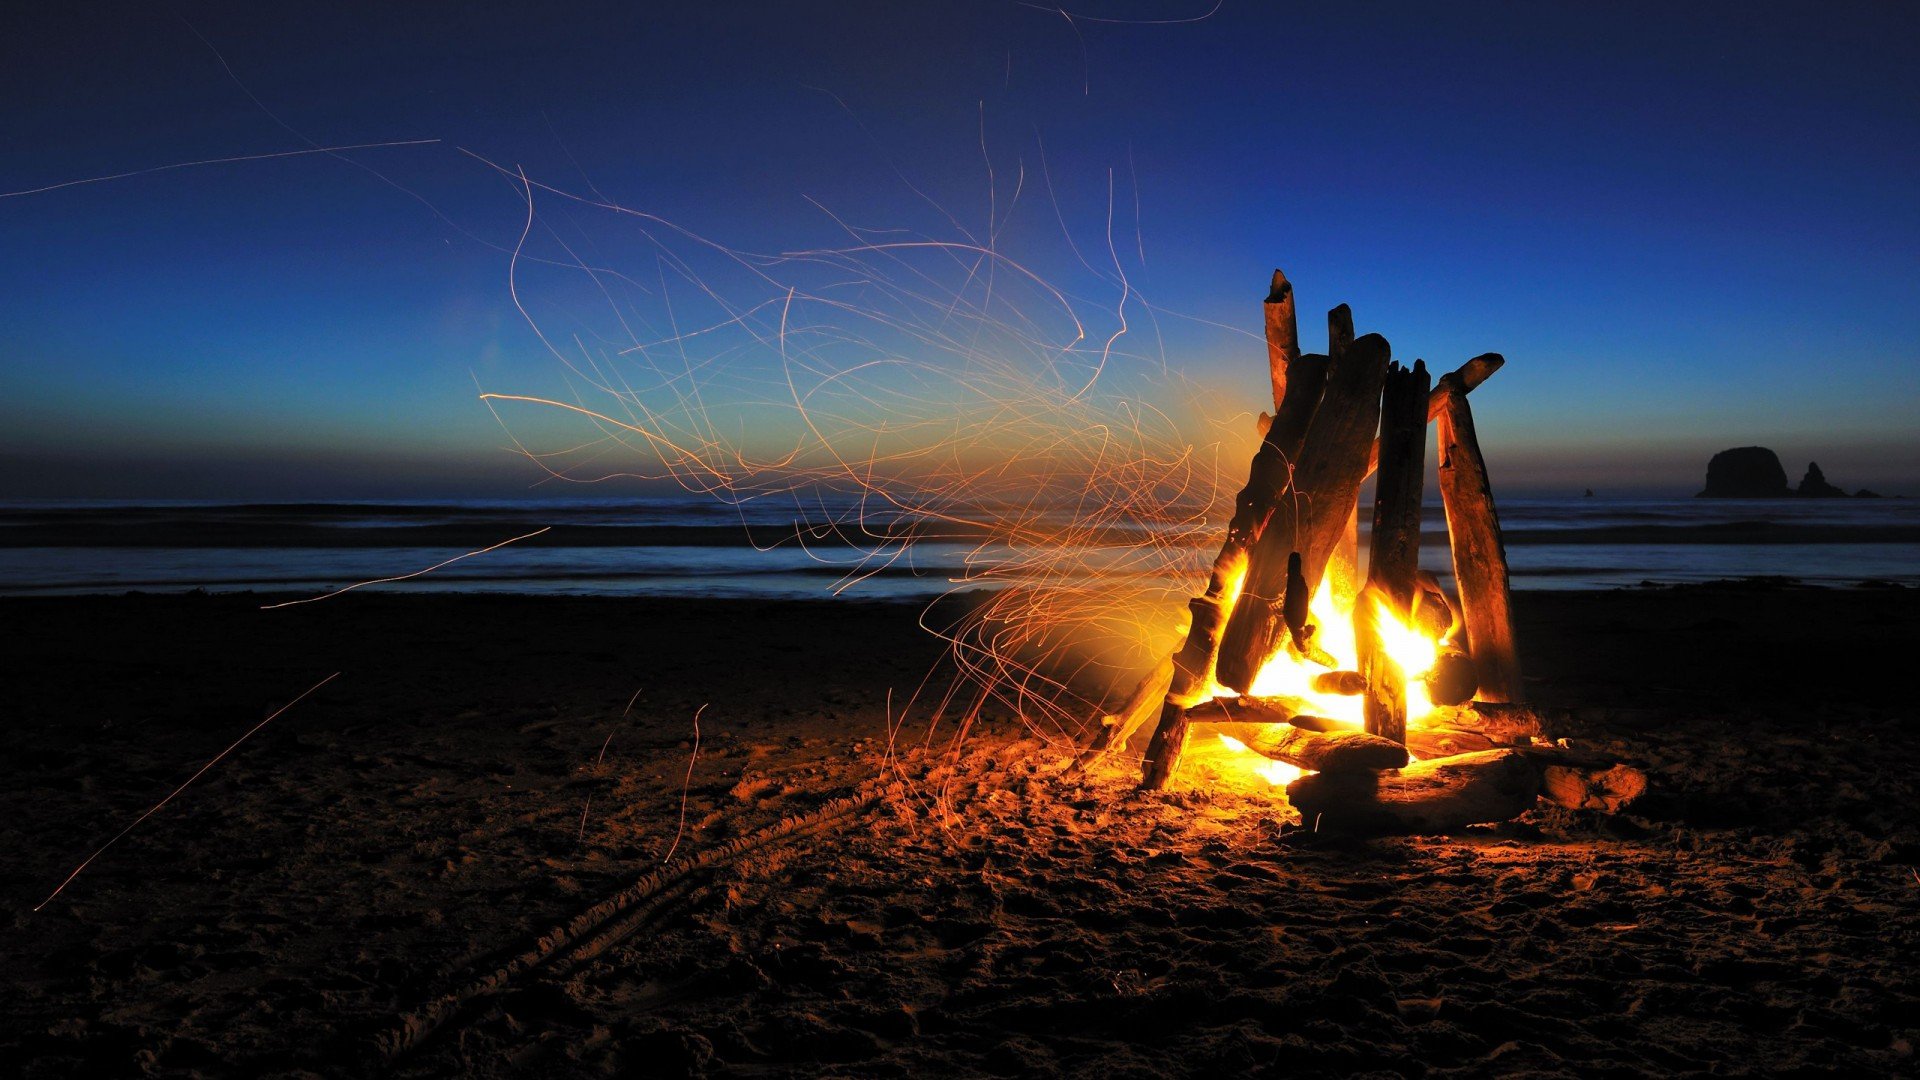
<point x="1479" y="557"/>
<point x="1309" y="519"/>
<point x="1273" y="727"/>
<point x="1247" y="710"/>
<point x="1393" y="556"/>
<point x="1296" y="603"/>
<point x="1297" y="387"/>
<point x="1343" y="566"/>
<point x="1317" y="751"/>
<point x="1425" y="797"/>
<point x="1344" y="683"/>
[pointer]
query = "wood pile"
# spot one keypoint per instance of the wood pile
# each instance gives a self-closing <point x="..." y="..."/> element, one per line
<point x="1483" y="755"/>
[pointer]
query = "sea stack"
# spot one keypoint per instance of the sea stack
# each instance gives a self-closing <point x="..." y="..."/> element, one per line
<point x="1814" y="485"/>
<point x="1746" y="472"/>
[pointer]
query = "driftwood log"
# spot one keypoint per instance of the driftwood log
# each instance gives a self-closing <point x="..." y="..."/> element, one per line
<point x="1275" y="727"/>
<point x="1283" y="336"/>
<point x="1428" y="743"/>
<point x="1248" y="710"/>
<point x="1311" y="515"/>
<point x="1479" y="556"/>
<point x="1502" y="721"/>
<point x="1425" y="797"/>
<point x="1393" y="549"/>
<point x="1316" y="751"/>
<point x="1117" y="727"/>
<point x="1297" y="384"/>
<point x="1466" y="377"/>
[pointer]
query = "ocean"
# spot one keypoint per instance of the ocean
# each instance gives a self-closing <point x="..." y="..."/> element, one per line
<point x="690" y="546"/>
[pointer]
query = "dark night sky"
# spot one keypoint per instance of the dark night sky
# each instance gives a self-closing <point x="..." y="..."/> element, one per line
<point x="1686" y="229"/>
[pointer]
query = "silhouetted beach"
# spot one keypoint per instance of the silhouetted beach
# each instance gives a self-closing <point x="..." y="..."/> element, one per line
<point x="855" y="895"/>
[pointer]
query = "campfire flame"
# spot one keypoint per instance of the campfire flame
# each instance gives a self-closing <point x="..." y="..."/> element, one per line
<point x="1288" y="675"/>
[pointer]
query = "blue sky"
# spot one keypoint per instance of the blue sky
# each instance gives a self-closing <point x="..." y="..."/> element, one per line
<point x="1686" y="230"/>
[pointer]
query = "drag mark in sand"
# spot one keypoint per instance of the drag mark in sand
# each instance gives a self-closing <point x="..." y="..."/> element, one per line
<point x="607" y="923"/>
<point x="155" y="808"/>
<point x="415" y="574"/>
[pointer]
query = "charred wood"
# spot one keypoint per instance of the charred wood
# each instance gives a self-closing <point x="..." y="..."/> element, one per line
<point x="1425" y="797"/>
<point x="1393" y="554"/>
<point x="1312" y="513"/>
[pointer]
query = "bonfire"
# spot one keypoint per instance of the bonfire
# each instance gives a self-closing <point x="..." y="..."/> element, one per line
<point x="1383" y="704"/>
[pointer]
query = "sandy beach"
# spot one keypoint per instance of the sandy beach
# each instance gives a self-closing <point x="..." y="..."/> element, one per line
<point x="454" y="857"/>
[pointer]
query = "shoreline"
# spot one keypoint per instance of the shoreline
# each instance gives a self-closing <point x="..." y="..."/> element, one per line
<point x="252" y="536"/>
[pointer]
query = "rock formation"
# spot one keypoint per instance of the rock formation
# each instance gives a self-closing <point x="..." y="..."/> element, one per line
<point x="1754" y="472"/>
<point x="1747" y="472"/>
<point x="1814" y="485"/>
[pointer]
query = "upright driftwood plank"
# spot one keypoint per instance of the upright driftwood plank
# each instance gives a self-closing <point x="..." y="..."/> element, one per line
<point x="1297" y="383"/>
<point x="1311" y="515"/>
<point x="1169" y="742"/>
<point x="1283" y="336"/>
<point x="1467" y="376"/>
<point x="1393" y="552"/>
<point x="1479" y="556"/>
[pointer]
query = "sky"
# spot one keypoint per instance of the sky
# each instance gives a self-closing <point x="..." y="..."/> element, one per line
<point x="1687" y="227"/>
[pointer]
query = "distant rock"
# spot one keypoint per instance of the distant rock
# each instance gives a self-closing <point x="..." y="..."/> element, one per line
<point x="1746" y="472"/>
<point x="1814" y="485"/>
<point x="1754" y="472"/>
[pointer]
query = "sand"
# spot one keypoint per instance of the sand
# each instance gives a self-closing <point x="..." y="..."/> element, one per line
<point x="429" y="868"/>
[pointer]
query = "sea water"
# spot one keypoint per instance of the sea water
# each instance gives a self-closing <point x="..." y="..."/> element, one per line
<point x="691" y="546"/>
